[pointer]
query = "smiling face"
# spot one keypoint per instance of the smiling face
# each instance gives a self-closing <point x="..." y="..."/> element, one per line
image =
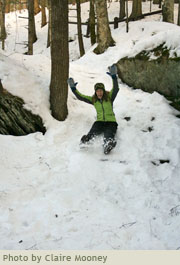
<point x="99" y="93"/>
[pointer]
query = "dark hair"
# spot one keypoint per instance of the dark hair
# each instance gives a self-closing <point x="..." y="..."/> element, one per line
<point x="105" y="96"/>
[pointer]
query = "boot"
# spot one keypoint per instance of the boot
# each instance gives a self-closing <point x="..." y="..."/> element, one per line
<point x="85" y="139"/>
<point x="108" y="146"/>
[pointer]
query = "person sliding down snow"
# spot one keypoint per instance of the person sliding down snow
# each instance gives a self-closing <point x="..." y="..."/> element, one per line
<point x="103" y="103"/>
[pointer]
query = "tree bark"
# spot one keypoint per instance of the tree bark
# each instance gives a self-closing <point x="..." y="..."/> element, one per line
<point x="104" y="37"/>
<point x="2" y="23"/>
<point x="59" y="60"/>
<point x="168" y="11"/>
<point x="80" y="38"/>
<point x="122" y="12"/>
<point x="127" y="16"/>
<point x="14" y="119"/>
<point x="49" y="25"/>
<point x="31" y="27"/>
<point x="92" y="22"/>
<point x="136" y="9"/>
<point x="36" y="7"/>
<point x="43" y="13"/>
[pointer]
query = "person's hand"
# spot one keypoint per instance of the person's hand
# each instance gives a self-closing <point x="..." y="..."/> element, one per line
<point x="112" y="71"/>
<point x="72" y="84"/>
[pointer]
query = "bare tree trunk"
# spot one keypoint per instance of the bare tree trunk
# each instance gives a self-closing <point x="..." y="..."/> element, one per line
<point x="104" y="37"/>
<point x="59" y="60"/>
<point x="34" y="29"/>
<point x="178" y="21"/>
<point x="136" y="9"/>
<point x="127" y="16"/>
<point x="168" y="11"/>
<point x="122" y="12"/>
<point x="80" y="38"/>
<point x="2" y="23"/>
<point x="36" y="7"/>
<point x="43" y="14"/>
<point x="49" y="25"/>
<point x="31" y="27"/>
<point x="92" y="22"/>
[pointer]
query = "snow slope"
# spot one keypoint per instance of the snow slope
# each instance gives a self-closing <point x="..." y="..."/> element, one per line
<point x="54" y="195"/>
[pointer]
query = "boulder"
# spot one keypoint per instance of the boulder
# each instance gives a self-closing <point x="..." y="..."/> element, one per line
<point x="153" y="70"/>
<point x="14" y="118"/>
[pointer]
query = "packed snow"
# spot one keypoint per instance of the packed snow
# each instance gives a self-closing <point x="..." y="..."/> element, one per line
<point x="55" y="195"/>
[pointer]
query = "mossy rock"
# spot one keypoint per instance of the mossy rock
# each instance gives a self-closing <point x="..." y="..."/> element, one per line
<point x="160" y="74"/>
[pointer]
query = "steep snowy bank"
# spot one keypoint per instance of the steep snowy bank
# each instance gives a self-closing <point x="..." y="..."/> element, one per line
<point x="56" y="196"/>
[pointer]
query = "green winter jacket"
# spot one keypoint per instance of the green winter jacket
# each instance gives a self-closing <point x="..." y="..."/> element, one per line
<point x="104" y="108"/>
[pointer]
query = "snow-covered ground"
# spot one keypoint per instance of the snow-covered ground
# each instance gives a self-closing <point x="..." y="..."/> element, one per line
<point x="54" y="195"/>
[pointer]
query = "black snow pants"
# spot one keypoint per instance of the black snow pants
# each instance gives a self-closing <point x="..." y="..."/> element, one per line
<point x="107" y="128"/>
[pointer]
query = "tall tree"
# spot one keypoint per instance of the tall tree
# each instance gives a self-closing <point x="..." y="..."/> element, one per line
<point x="49" y="30"/>
<point x="80" y="37"/>
<point x="122" y="12"/>
<point x="31" y="27"/>
<point x="43" y="13"/>
<point x="49" y="23"/>
<point x="136" y="9"/>
<point x="127" y="16"/>
<point x="2" y="23"/>
<point x="168" y="11"/>
<point x="59" y="59"/>
<point x="178" y="21"/>
<point x="104" y="37"/>
<point x="92" y="22"/>
<point x="36" y="7"/>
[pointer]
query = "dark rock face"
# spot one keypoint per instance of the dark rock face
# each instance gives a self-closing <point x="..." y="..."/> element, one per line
<point x="161" y="74"/>
<point x="16" y="120"/>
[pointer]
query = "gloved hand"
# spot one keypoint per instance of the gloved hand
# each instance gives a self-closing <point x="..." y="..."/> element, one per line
<point x="72" y="84"/>
<point x="112" y="71"/>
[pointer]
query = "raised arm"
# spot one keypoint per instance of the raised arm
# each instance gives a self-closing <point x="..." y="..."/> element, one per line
<point x="113" y="73"/>
<point x="79" y="96"/>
